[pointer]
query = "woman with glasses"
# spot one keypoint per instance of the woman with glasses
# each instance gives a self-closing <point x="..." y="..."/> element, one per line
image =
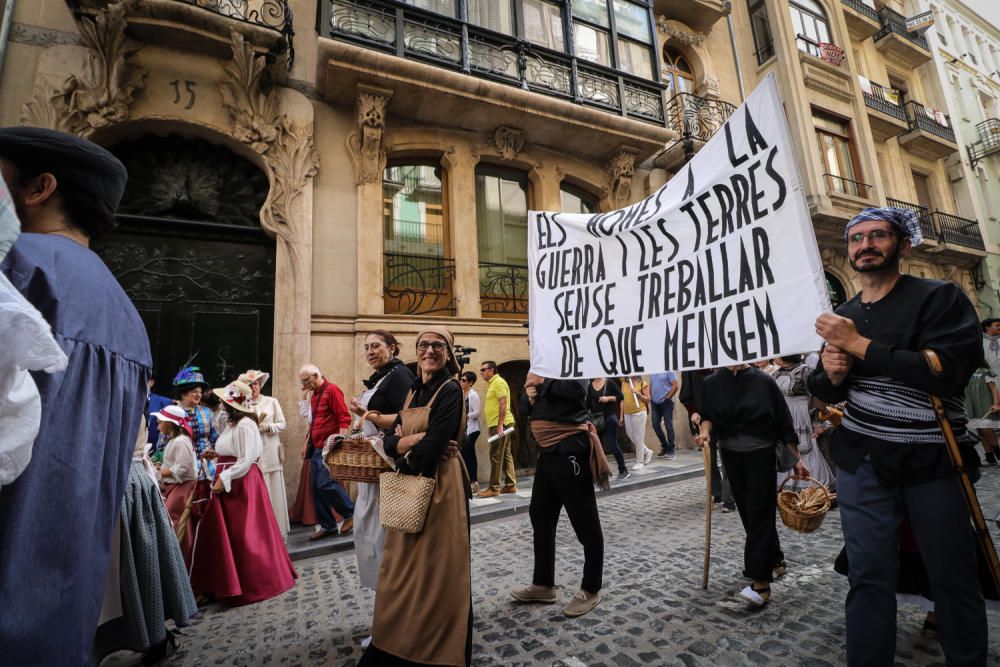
<point x="385" y="391"/>
<point x="423" y="608"/>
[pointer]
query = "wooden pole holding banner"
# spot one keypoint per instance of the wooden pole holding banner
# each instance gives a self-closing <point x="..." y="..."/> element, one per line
<point x="982" y="532"/>
<point x="706" y="455"/>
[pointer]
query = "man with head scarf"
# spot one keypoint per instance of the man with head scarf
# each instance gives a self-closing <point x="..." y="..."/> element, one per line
<point x="890" y="453"/>
<point x="58" y="517"/>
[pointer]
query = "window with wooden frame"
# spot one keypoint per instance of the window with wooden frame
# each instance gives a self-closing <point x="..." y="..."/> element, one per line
<point x="839" y="155"/>
<point x="502" y="203"/>
<point x="678" y="75"/>
<point x="810" y="24"/>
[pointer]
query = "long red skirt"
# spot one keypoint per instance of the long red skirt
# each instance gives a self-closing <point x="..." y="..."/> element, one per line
<point x="239" y="555"/>
<point x="175" y="498"/>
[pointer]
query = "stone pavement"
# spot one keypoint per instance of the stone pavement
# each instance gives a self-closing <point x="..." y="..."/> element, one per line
<point x="654" y="611"/>
<point x="689" y="463"/>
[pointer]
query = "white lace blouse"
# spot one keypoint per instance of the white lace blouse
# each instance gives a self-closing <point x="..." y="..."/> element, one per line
<point x="241" y="440"/>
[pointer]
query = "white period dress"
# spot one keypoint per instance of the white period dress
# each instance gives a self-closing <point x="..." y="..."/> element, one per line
<point x="792" y="384"/>
<point x="369" y="535"/>
<point x="272" y="424"/>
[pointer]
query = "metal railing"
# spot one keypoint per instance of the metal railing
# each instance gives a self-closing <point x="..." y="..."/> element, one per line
<point x="923" y="215"/>
<point x="879" y="100"/>
<point x="764" y="53"/>
<point x="409" y="32"/>
<point x="862" y="8"/>
<point x="847" y="186"/>
<point x="958" y="230"/>
<point x="809" y="46"/>
<point x="418" y="284"/>
<point x="938" y="124"/>
<point x="694" y="117"/>
<point x="503" y="288"/>
<point x="894" y="22"/>
<point x="988" y="143"/>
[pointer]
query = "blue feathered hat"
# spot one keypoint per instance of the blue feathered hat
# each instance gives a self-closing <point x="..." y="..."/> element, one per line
<point x="190" y="376"/>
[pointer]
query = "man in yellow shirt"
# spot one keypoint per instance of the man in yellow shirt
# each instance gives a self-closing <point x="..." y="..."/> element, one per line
<point x="498" y="417"/>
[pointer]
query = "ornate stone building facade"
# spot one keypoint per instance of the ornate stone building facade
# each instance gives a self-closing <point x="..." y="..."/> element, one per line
<point x="871" y="126"/>
<point x="302" y="172"/>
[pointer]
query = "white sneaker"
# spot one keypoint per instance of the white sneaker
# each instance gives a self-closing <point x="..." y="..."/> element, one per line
<point x="638" y="466"/>
<point x="649" y="456"/>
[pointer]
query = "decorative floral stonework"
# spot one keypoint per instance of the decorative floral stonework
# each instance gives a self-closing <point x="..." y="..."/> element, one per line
<point x="621" y="168"/>
<point x="365" y="143"/>
<point x="509" y="141"/>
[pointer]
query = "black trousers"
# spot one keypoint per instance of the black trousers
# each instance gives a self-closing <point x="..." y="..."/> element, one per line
<point x="751" y="476"/>
<point x="563" y="479"/>
<point x="469" y="455"/>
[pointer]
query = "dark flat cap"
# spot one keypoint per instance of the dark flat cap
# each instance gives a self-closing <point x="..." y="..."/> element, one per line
<point x="77" y="164"/>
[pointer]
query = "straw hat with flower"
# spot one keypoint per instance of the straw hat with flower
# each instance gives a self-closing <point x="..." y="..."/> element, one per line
<point x="236" y="394"/>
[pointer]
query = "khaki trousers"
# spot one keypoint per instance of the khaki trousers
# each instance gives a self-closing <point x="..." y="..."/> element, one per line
<point x="501" y="460"/>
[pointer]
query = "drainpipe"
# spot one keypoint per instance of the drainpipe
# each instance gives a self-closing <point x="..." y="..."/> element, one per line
<point x="5" y="21"/>
<point x="736" y="55"/>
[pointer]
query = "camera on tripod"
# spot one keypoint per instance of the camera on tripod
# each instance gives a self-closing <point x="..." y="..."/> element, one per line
<point x="462" y="356"/>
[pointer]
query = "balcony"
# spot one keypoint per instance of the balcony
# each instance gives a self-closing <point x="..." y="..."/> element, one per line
<point x="862" y="20"/>
<point x="898" y="44"/>
<point x="988" y="143"/>
<point x="206" y="25"/>
<point x="418" y="284"/>
<point x="822" y="68"/>
<point x="927" y="227"/>
<point x="445" y="70"/>
<point x="959" y="231"/>
<point x="950" y="237"/>
<point x="695" y="120"/>
<point x="700" y="15"/>
<point x="503" y="289"/>
<point x="930" y="132"/>
<point x="886" y="114"/>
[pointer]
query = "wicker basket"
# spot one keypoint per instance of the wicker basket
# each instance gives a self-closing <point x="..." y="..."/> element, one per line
<point x="352" y="458"/>
<point x="793" y="515"/>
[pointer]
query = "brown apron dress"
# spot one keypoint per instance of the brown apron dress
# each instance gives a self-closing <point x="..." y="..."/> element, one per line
<point x="424" y="594"/>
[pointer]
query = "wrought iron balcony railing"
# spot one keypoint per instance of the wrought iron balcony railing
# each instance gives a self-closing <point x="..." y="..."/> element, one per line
<point x="409" y="32"/>
<point x="274" y="15"/>
<point x="880" y="99"/>
<point x="923" y="215"/>
<point x="847" y="186"/>
<point x="503" y="288"/>
<point x="989" y="141"/>
<point x="418" y="284"/>
<point x="694" y="117"/>
<point x="924" y="118"/>
<point x="862" y="8"/>
<point x="894" y="22"/>
<point x="958" y="230"/>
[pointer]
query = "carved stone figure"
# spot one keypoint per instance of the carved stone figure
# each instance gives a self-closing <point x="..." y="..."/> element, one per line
<point x="621" y="169"/>
<point x="365" y="143"/>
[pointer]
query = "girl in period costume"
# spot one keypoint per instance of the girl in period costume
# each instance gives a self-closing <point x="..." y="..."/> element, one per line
<point x="423" y="607"/>
<point x="790" y="375"/>
<point x="385" y="392"/>
<point x="746" y="412"/>
<point x="179" y="468"/>
<point x="147" y="583"/>
<point x="239" y="554"/>
<point x="270" y="423"/>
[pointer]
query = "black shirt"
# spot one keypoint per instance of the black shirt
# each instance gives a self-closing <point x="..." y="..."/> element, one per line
<point x="445" y="423"/>
<point x="611" y="388"/>
<point x="396" y="380"/>
<point x="563" y="401"/>
<point x="916" y="314"/>
<point x="747" y="402"/>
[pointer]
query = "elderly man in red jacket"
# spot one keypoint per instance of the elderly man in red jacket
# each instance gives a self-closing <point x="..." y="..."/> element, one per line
<point x="328" y="416"/>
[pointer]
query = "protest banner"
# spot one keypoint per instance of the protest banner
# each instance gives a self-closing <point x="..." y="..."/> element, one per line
<point x="719" y="266"/>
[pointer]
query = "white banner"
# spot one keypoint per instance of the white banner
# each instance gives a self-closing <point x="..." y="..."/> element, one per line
<point x="719" y="266"/>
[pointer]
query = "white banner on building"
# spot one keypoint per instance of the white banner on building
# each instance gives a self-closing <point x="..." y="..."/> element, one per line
<point x="717" y="267"/>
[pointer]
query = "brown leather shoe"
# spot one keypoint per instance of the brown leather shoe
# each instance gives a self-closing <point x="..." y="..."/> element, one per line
<point x="347" y="526"/>
<point x="510" y="488"/>
<point x="320" y="534"/>
<point x="488" y="493"/>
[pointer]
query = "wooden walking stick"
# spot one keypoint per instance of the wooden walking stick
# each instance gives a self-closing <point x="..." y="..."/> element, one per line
<point x="968" y="491"/>
<point x="185" y="519"/>
<point x="706" y="455"/>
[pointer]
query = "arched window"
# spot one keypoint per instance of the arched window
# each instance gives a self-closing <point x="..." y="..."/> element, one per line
<point x="418" y="267"/>
<point x="575" y="200"/>
<point x="811" y="25"/>
<point x="835" y="289"/>
<point x="502" y="204"/>
<point x="677" y="72"/>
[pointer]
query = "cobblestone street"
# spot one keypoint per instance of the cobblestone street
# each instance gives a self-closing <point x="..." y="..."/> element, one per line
<point x="654" y="611"/>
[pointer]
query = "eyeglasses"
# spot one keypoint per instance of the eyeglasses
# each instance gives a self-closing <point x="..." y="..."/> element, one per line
<point x="483" y="370"/>
<point x="874" y="236"/>
<point x="436" y="345"/>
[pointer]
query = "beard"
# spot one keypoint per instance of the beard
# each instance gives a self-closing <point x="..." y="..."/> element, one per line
<point x="889" y="261"/>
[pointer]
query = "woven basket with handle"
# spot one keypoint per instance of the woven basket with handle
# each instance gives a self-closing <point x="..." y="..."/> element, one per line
<point x="804" y="510"/>
<point x="404" y="501"/>
<point x="351" y="458"/>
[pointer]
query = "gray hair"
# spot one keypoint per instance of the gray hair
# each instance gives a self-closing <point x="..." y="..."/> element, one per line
<point x="311" y="369"/>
